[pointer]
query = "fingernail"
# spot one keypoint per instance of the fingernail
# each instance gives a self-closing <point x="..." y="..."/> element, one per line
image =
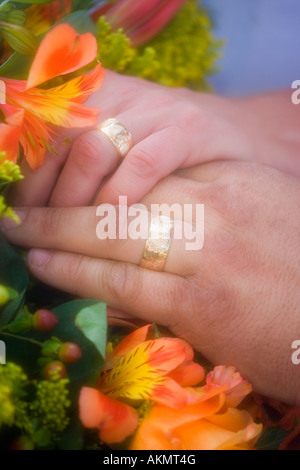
<point x="38" y="258"/>
<point x="7" y="223"/>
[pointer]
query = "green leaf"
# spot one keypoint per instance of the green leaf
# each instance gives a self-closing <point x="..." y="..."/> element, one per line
<point x="22" y="323"/>
<point x="17" y="66"/>
<point x="13" y="273"/>
<point x="271" y="438"/>
<point x="93" y="323"/>
<point x="157" y="333"/>
<point x="92" y="361"/>
<point x="80" y="21"/>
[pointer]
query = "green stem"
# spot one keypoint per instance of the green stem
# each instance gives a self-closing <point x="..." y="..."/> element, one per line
<point x="29" y="340"/>
<point x="4" y="328"/>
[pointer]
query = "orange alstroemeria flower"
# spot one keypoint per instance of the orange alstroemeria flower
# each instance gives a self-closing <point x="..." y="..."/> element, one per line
<point x="138" y="370"/>
<point x="62" y="51"/>
<point x="206" y="423"/>
<point x="10" y="133"/>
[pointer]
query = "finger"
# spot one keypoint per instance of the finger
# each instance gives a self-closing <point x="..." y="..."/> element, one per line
<point x="148" y="295"/>
<point x="93" y="156"/>
<point x="149" y="161"/>
<point x="77" y="231"/>
<point x="36" y="187"/>
<point x="115" y="95"/>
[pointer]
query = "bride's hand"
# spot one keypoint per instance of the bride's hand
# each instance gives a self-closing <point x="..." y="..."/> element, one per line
<point x="171" y="129"/>
<point x="236" y="300"/>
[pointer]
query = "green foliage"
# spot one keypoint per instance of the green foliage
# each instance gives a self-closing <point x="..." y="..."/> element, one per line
<point x="184" y="53"/>
<point x="13" y="30"/>
<point x="42" y="418"/>
<point x="7" y="294"/>
<point x="9" y="173"/>
<point x="51" y="405"/>
<point x="6" y="211"/>
<point x="271" y="438"/>
<point x="93" y="346"/>
<point x="42" y="409"/>
<point x="13" y="408"/>
<point x="13" y="273"/>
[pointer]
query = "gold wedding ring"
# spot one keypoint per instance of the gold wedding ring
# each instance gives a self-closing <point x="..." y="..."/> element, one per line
<point x="119" y="136"/>
<point x="158" y="244"/>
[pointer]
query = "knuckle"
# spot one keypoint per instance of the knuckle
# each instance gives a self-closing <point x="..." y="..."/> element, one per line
<point x="191" y="115"/>
<point x="86" y="151"/>
<point x="123" y="284"/>
<point x="214" y="297"/>
<point x="144" y="163"/>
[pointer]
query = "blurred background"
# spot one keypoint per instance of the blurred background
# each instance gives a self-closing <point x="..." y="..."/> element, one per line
<point x="262" y="49"/>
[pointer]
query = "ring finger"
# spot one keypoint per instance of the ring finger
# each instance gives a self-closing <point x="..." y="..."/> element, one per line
<point x="77" y="230"/>
<point x="93" y="156"/>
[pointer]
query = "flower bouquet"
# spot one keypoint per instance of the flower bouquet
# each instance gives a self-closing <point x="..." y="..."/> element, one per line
<point x="71" y="377"/>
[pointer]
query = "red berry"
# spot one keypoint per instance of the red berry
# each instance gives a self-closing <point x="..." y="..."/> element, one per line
<point x="44" y="320"/>
<point x="54" y="370"/>
<point x="69" y="353"/>
<point x="22" y="443"/>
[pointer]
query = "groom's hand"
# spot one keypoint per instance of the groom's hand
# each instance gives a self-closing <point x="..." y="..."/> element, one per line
<point x="236" y="300"/>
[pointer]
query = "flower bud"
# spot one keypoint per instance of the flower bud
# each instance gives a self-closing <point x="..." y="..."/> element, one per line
<point x="44" y="320"/>
<point x="55" y="370"/>
<point x="4" y="295"/>
<point x="16" y="17"/>
<point x="19" y="38"/>
<point x="51" y="347"/>
<point x="70" y="353"/>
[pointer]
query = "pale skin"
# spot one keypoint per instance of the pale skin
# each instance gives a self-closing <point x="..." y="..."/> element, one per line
<point x="171" y="129"/>
<point x="237" y="300"/>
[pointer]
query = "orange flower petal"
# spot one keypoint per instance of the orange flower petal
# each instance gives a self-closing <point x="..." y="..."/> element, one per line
<point x="115" y="420"/>
<point x="10" y="133"/>
<point x="200" y="435"/>
<point x="238" y="388"/>
<point x="61" y="105"/>
<point x="62" y="51"/>
<point x="165" y="354"/>
<point x="140" y="371"/>
<point x="169" y="393"/>
<point x="33" y="138"/>
<point x="131" y="341"/>
<point x="244" y="439"/>
<point x="188" y="374"/>
<point x="234" y="420"/>
<point x="155" y="431"/>
<point x="80" y="87"/>
<point x="234" y="429"/>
